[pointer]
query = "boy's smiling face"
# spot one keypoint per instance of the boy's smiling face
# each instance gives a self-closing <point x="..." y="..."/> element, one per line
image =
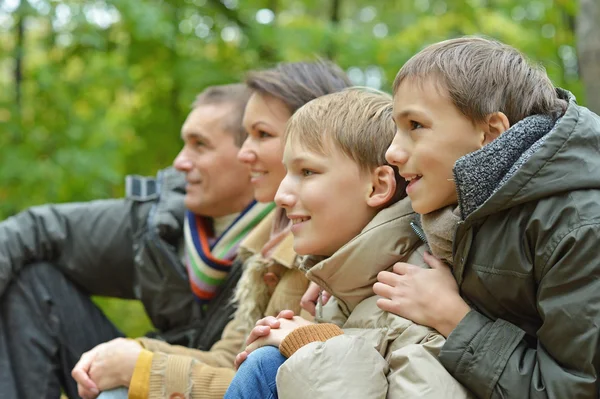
<point x="326" y="197"/>
<point x="432" y="134"/>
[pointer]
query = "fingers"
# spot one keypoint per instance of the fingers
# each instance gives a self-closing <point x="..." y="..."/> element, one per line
<point x="383" y="290"/>
<point x="258" y="332"/>
<point x="308" y="305"/>
<point x="325" y="297"/>
<point x="388" y="305"/>
<point x="389" y="278"/>
<point x="286" y="314"/>
<point x="434" y="262"/>
<point x="239" y="359"/>
<point x="80" y="373"/>
<point x="402" y="268"/>
<point x="308" y="301"/>
<point x="87" y="394"/>
<point x="268" y="321"/>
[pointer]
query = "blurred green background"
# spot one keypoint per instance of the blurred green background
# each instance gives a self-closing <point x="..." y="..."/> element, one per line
<point x="94" y="90"/>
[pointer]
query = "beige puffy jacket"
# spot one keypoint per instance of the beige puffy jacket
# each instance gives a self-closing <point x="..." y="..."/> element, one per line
<point x="378" y="354"/>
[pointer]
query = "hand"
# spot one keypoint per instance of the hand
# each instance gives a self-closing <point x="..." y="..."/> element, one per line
<point x="309" y="300"/>
<point x="262" y="329"/>
<point x="277" y="335"/>
<point x="270" y="331"/>
<point x="425" y="296"/>
<point x="264" y="325"/>
<point x="106" y="366"/>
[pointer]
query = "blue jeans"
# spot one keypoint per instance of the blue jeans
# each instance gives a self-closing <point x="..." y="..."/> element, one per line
<point x="117" y="393"/>
<point x="255" y="378"/>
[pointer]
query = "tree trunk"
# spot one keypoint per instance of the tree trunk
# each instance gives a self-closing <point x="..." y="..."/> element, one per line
<point x="334" y="20"/>
<point x="20" y="46"/>
<point x="588" y="48"/>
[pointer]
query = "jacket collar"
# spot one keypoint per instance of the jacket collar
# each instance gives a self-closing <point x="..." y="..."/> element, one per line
<point x="349" y="274"/>
<point x="273" y="225"/>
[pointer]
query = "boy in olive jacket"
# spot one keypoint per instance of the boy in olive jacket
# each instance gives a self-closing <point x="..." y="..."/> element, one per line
<point x="342" y="199"/>
<point x="504" y="170"/>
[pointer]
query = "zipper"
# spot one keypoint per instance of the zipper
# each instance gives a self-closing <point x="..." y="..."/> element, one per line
<point x="419" y="232"/>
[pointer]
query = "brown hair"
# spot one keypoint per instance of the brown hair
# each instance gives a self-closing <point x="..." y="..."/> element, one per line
<point x="297" y="83"/>
<point x="236" y="95"/>
<point x="483" y="76"/>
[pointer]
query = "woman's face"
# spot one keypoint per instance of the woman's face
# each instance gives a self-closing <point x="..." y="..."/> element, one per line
<point x="264" y="120"/>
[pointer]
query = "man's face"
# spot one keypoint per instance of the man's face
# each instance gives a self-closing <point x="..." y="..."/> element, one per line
<point x="325" y="197"/>
<point x="432" y="134"/>
<point x="217" y="183"/>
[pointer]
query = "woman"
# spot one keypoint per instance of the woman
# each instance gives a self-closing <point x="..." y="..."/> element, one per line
<point x="270" y="282"/>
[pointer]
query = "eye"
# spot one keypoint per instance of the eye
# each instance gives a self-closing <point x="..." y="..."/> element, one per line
<point x="199" y="144"/>
<point x="414" y="125"/>
<point x="307" y="172"/>
<point x="264" y="135"/>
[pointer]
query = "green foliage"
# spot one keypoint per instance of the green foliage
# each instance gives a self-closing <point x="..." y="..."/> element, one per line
<point x="106" y="84"/>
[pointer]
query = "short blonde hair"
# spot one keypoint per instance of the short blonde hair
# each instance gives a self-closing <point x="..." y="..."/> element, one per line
<point x="483" y="76"/>
<point x="357" y="121"/>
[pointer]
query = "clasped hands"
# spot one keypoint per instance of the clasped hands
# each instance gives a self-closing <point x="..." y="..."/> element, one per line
<point x="270" y="331"/>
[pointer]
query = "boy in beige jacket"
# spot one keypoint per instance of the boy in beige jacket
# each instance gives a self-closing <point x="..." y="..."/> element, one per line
<point x="342" y="199"/>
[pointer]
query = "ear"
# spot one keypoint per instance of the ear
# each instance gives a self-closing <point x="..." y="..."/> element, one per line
<point x="383" y="186"/>
<point x="494" y="125"/>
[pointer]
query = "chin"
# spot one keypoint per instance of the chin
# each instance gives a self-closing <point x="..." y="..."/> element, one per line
<point x="193" y="204"/>
<point x="300" y="249"/>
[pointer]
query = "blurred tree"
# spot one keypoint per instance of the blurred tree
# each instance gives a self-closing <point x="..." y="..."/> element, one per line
<point x="96" y="89"/>
<point x="588" y="45"/>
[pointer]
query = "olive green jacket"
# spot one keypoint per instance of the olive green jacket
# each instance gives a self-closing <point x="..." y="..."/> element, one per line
<point x="528" y="260"/>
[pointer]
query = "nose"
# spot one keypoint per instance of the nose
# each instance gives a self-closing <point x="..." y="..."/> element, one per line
<point x="182" y="161"/>
<point x="284" y="197"/>
<point x="398" y="153"/>
<point x="247" y="154"/>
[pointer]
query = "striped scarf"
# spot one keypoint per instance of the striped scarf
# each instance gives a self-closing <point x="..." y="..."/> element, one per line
<point x="208" y="260"/>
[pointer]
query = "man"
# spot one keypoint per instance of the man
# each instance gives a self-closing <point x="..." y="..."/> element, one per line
<point x="53" y="257"/>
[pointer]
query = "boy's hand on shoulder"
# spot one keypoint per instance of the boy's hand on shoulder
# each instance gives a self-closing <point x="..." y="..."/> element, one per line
<point x="425" y="296"/>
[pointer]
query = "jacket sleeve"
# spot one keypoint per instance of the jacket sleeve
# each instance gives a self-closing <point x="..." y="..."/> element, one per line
<point x="493" y="359"/>
<point x="91" y="242"/>
<point x="221" y="354"/>
<point x="348" y="366"/>
<point x="179" y="374"/>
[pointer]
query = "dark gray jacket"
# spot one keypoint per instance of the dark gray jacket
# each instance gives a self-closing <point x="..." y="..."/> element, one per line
<point x="125" y="248"/>
<point x="527" y="257"/>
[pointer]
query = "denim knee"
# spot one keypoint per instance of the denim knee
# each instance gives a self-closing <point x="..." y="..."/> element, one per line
<point x="117" y="393"/>
<point x="256" y="377"/>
